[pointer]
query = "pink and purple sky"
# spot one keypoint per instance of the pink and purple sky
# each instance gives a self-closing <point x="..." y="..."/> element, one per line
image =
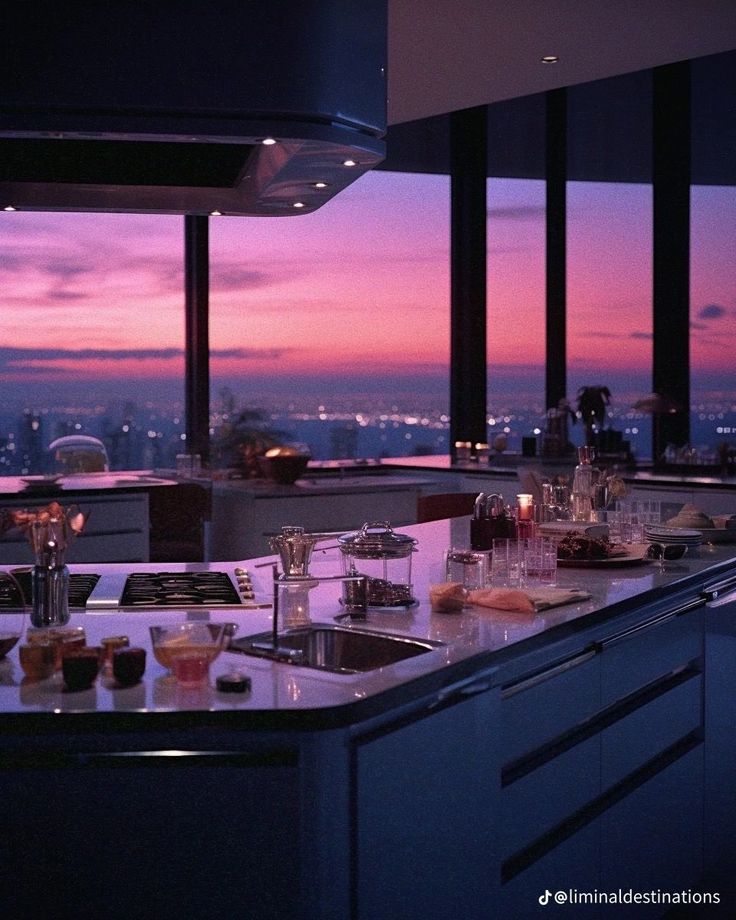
<point x="359" y="287"/>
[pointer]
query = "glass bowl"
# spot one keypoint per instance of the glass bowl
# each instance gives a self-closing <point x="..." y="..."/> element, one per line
<point x="187" y="640"/>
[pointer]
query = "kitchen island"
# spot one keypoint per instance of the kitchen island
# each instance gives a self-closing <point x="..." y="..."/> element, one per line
<point x="523" y="753"/>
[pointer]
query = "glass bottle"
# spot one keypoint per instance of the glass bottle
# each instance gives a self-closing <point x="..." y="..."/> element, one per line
<point x="582" y="486"/>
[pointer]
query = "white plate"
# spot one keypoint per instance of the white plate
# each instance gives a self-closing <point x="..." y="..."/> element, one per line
<point x="681" y="532"/>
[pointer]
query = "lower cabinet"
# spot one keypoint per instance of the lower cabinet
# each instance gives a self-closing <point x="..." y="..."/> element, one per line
<point x="545" y="888"/>
<point x="426" y="795"/>
<point x="139" y="835"/>
<point x="117" y="529"/>
<point x="652" y="840"/>
<point x="720" y="751"/>
<point x="605" y="794"/>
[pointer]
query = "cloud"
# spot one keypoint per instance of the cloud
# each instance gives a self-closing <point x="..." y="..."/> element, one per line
<point x="234" y="278"/>
<point x="65" y="268"/>
<point x="517" y="212"/>
<point x="68" y="295"/>
<point x="712" y="311"/>
<point x="12" y="358"/>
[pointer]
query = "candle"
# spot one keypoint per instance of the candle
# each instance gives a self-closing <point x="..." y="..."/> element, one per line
<point x="525" y="508"/>
<point x="462" y="450"/>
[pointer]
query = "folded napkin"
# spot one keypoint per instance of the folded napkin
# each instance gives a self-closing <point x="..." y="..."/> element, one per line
<point x="530" y="600"/>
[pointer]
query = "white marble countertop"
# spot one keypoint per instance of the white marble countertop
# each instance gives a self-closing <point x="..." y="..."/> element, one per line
<point x="472" y="640"/>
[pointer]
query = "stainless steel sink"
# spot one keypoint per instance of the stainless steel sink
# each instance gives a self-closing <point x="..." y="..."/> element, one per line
<point x="340" y="649"/>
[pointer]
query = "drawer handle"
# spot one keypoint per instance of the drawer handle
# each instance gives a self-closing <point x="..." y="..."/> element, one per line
<point x="461" y="691"/>
<point x="650" y="624"/>
<point x="716" y="591"/>
<point x="527" y="683"/>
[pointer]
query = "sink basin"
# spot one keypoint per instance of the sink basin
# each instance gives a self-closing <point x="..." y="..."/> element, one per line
<point x="339" y="649"/>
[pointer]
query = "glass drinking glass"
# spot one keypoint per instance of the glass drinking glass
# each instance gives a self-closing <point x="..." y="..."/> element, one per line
<point x="468" y="567"/>
<point x="507" y="563"/>
<point x="540" y="561"/>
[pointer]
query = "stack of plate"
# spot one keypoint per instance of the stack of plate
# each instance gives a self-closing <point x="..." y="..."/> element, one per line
<point x="658" y="533"/>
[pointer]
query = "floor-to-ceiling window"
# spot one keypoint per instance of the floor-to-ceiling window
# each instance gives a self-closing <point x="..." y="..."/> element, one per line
<point x="516" y="309"/>
<point x="609" y="301"/>
<point x="331" y="329"/>
<point x="91" y="336"/>
<point x="712" y="262"/>
<point x="712" y="320"/>
<point x="609" y="251"/>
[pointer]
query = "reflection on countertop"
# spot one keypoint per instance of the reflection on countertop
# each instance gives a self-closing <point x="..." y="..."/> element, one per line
<point x="476" y="637"/>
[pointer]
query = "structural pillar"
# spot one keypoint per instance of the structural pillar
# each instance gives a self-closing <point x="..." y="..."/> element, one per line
<point x="556" y="246"/>
<point x="671" y="253"/>
<point x="468" y="169"/>
<point x="196" y="334"/>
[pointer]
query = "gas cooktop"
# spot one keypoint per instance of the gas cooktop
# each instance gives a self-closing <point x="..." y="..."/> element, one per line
<point x="119" y="590"/>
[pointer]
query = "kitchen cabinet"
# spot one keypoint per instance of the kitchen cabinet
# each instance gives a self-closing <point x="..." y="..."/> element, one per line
<point x="596" y="746"/>
<point x="720" y="746"/>
<point x="171" y="834"/>
<point x="426" y="789"/>
<point x="651" y="840"/>
<point x="117" y="528"/>
<point x="244" y="514"/>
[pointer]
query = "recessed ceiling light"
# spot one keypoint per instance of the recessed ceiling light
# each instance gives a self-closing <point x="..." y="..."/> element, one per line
<point x="298" y="204"/>
<point x="215" y="213"/>
<point x="320" y="185"/>
<point x="550" y="59"/>
<point x="349" y="163"/>
<point x="268" y="141"/>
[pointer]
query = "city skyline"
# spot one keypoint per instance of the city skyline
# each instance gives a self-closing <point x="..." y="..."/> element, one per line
<point x="353" y="297"/>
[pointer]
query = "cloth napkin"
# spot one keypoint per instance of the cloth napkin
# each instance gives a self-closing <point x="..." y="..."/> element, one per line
<point x="530" y="600"/>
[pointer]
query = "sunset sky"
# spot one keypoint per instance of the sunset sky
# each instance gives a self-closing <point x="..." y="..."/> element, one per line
<point x="360" y="286"/>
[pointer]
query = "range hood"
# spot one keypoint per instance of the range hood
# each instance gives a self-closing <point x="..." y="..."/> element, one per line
<point x="250" y="107"/>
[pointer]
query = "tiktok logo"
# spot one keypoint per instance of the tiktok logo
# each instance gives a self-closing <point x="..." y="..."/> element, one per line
<point x="544" y="898"/>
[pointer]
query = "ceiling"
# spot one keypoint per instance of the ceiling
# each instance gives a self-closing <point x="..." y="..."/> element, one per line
<point x="453" y="54"/>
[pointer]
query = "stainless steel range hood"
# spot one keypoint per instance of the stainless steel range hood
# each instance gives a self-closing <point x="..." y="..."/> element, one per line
<point x="258" y="107"/>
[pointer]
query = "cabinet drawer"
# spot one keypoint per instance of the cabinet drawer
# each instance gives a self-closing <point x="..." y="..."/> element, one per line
<point x="574" y="864"/>
<point x="653" y="838"/>
<point x="550" y="707"/>
<point x="643" y="734"/>
<point x="538" y="801"/>
<point x="640" y="657"/>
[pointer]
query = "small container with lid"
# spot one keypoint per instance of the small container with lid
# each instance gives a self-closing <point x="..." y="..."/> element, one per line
<point x="384" y="557"/>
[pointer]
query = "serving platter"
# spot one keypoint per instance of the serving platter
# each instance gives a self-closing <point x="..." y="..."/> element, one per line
<point x="635" y="554"/>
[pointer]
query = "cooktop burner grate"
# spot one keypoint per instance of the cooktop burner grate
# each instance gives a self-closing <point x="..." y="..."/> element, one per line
<point x="178" y="589"/>
<point x="81" y="585"/>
